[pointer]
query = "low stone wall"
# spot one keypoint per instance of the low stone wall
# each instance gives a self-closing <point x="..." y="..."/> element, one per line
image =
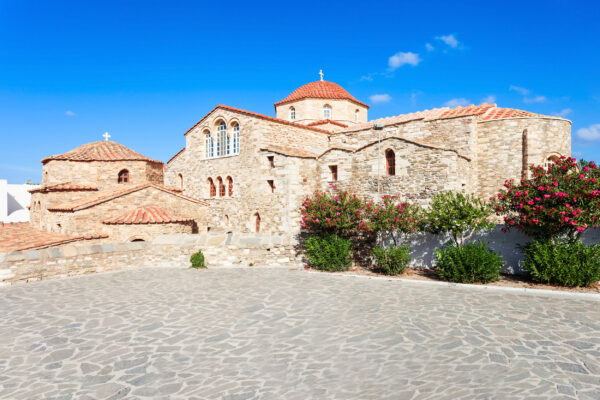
<point x="172" y="250"/>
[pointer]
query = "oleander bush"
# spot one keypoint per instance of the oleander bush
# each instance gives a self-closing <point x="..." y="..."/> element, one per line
<point x="392" y="260"/>
<point x="565" y="263"/>
<point x="468" y="263"/>
<point x="332" y="211"/>
<point x="197" y="260"/>
<point x="329" y="252"/>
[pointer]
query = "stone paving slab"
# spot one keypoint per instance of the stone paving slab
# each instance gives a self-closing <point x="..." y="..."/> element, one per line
<point x="286" y="334"/>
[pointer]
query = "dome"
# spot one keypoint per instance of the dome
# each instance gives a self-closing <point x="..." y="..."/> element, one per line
<point x="105" y="150"/>
<point x="320" y="90"/>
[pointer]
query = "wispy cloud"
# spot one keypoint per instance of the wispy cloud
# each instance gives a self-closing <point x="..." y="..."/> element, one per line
<point x="591" y="133"/>
<point x="380" y="98"/>
<point x="458" y="101"/>
<point x="401" y="58"/>
<point x="518" y="89"/>
<point x="429" y="47"/>
<point x="70" y="113"/>
<point x="534" y="98"/>
<point x="489" y="99"/>
<point x="563" y="113"/>
<point x="450" y="40"/>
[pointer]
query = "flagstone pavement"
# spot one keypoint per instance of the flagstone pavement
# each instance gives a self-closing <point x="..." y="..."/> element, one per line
<point x="276" y="333"/>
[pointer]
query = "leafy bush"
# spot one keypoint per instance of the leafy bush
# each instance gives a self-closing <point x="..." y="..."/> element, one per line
<point x="332" y="212"/>
<point x="392" y="260"/>
<point x="329" y="252"/>
<point x="197" y="260"/>
<point x="391" y="216"/>
<point x="457" y="214"/>
<point x="562" y="200"/>
<point x="468" y="263"/>
<point x="562" y="263"/>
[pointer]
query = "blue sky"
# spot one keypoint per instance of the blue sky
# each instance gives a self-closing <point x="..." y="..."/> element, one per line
<point x="148" y="70"/>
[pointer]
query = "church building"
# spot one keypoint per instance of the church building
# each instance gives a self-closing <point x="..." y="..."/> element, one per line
<point x="254" y="170"/>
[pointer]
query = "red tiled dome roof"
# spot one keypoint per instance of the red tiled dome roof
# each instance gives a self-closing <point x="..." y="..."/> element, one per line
<point x="320" y="90"/>
<point x="147" y="215"/>
<point x="105" y="150"/>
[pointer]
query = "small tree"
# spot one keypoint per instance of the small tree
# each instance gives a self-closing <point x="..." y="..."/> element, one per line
<point x="457" y="214"/>
<point x="332" y="212"/>
<point x="392" y="217"/>
<point x="562" y="200"/>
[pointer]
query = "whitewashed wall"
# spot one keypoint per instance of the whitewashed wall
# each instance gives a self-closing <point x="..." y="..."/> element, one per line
<point x="14" y="200"/>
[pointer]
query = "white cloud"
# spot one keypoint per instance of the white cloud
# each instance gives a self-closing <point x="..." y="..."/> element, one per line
<point x="70" y="113"/>
<point x="590" y="133"/>
<point x="368" y="78"/>
<point x="380" y="98"/>
<point x="489" y="99"/>
<point x="521" y="90"/>
<point x="458" y="101"/>
<point x="534" y="99"/>
<point x="429" y="47"/>
<point x="563" y="113"/>
<point x="400" y="59"/>
<point x="450" y="40"/>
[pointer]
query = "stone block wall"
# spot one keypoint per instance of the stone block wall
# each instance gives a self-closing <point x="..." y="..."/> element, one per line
<point x="310" y="110"/>
<point x="172" y="251"/>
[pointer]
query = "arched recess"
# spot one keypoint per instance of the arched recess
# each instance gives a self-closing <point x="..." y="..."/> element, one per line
<point x="180" y="181"/>
<point x="136" y="239"/>
<point x="390" y="162"/>
<point x="221" y="186"/>
<point x="229" y="186"/>
<point x="257" y="222"/>
<point x="123" y="176"/>
<point x="551" y="158"/>
<point x="212" y="191"/>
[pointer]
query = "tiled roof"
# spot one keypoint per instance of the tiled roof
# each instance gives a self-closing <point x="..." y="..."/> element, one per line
<point x="498" y="113"/>
<point x="253" y="114"/>
<point x="175" y="156"/>
<point x="63" y="187"/>
<point x="327" y="121"/>
<point x="112" y="193"/>
<point x="289" y="151"/>
<point x="320" y="90"/>
<point x="147" y="215"/>
<point x="105" y="150"/>
<point x="22" y="236"/>
<point x="465" y="111"/>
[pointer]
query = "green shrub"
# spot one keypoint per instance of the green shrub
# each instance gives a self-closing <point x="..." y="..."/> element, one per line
<point x="197" y="260"/>
<point x="562" y="263"/>
<point x="329" y="252"/>
<point x="392" y="260"/>
<point x="471" y="262"/>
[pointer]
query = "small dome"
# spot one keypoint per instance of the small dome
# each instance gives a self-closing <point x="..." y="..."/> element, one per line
<point x="105" y="150"/>
<point x="320" y="90"/>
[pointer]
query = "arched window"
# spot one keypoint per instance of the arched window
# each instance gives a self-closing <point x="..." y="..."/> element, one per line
<point x="229" y="186"/>
<point x="292" y="113"/>
<point x="390" y="162"/>
<point x="180" y="181"/>
<point x="256" y="222"/>
<point x="221" y="186"/>
<point x="550" y="160"/>
<point x="212" y="191"/>
<point x="326" y="112"/>
<point x="236" y="139"/>
<point x="356" y="114"/>
<point x="209" y="144"/>
<point x="222" y="140"/>
<point x="123" y="176"/>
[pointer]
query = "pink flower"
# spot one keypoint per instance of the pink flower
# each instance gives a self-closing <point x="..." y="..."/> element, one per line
<point x="555" y="183"/>
<point x="567" y="219"/>
<point x="547" y="196"/>
<point x="337" y="214"/>
<point x="579" y="228"/>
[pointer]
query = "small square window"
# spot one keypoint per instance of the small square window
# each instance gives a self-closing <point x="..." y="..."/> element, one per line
<point x="271" y="161"/>
<point x="334" y="174"/>
<point x="272" y="185"/>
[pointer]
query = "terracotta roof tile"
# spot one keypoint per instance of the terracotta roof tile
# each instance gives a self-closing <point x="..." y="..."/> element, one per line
<point x="327" y="121"/>
<point x="112" y="193"/>
<point x="22" y="236"/>
<point x="105" y="150"/>
<point x="63" y="187"/>
<point x="465" y="111"/>
<point x="320" y="90"/>
<point x="261" y="116"/>
<point x="175" y="156"/>
<point x="498" y="113"/>
<point x="147" y="215"/>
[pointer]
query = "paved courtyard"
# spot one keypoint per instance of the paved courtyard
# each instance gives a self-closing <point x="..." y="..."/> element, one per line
<point x="288" y="334"/>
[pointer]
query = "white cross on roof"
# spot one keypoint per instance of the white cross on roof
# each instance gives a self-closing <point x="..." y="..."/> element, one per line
<point x="106" y="136"/>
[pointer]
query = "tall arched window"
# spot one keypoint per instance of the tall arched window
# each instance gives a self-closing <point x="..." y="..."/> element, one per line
<point x="123" y="176"/>
<point x="356" y="114"/>
<point x="180" y="181"/>
<point x="209" y="144"/>
<point x="212" y="191"/>
<point x="222" y="142"/>
<point x="390" y="162"/>
<point x="236" y="139"/>
<point x="256" y="222"/>
<point x="229" y="186"/>
<point x="221" y="186"/>
<point x="292" y="113"/>
<point x="326" y="112"/>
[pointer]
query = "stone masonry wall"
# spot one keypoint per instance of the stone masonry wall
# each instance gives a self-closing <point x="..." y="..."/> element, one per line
<point x="166" y="251"/>
<point x="310" y="110"/>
